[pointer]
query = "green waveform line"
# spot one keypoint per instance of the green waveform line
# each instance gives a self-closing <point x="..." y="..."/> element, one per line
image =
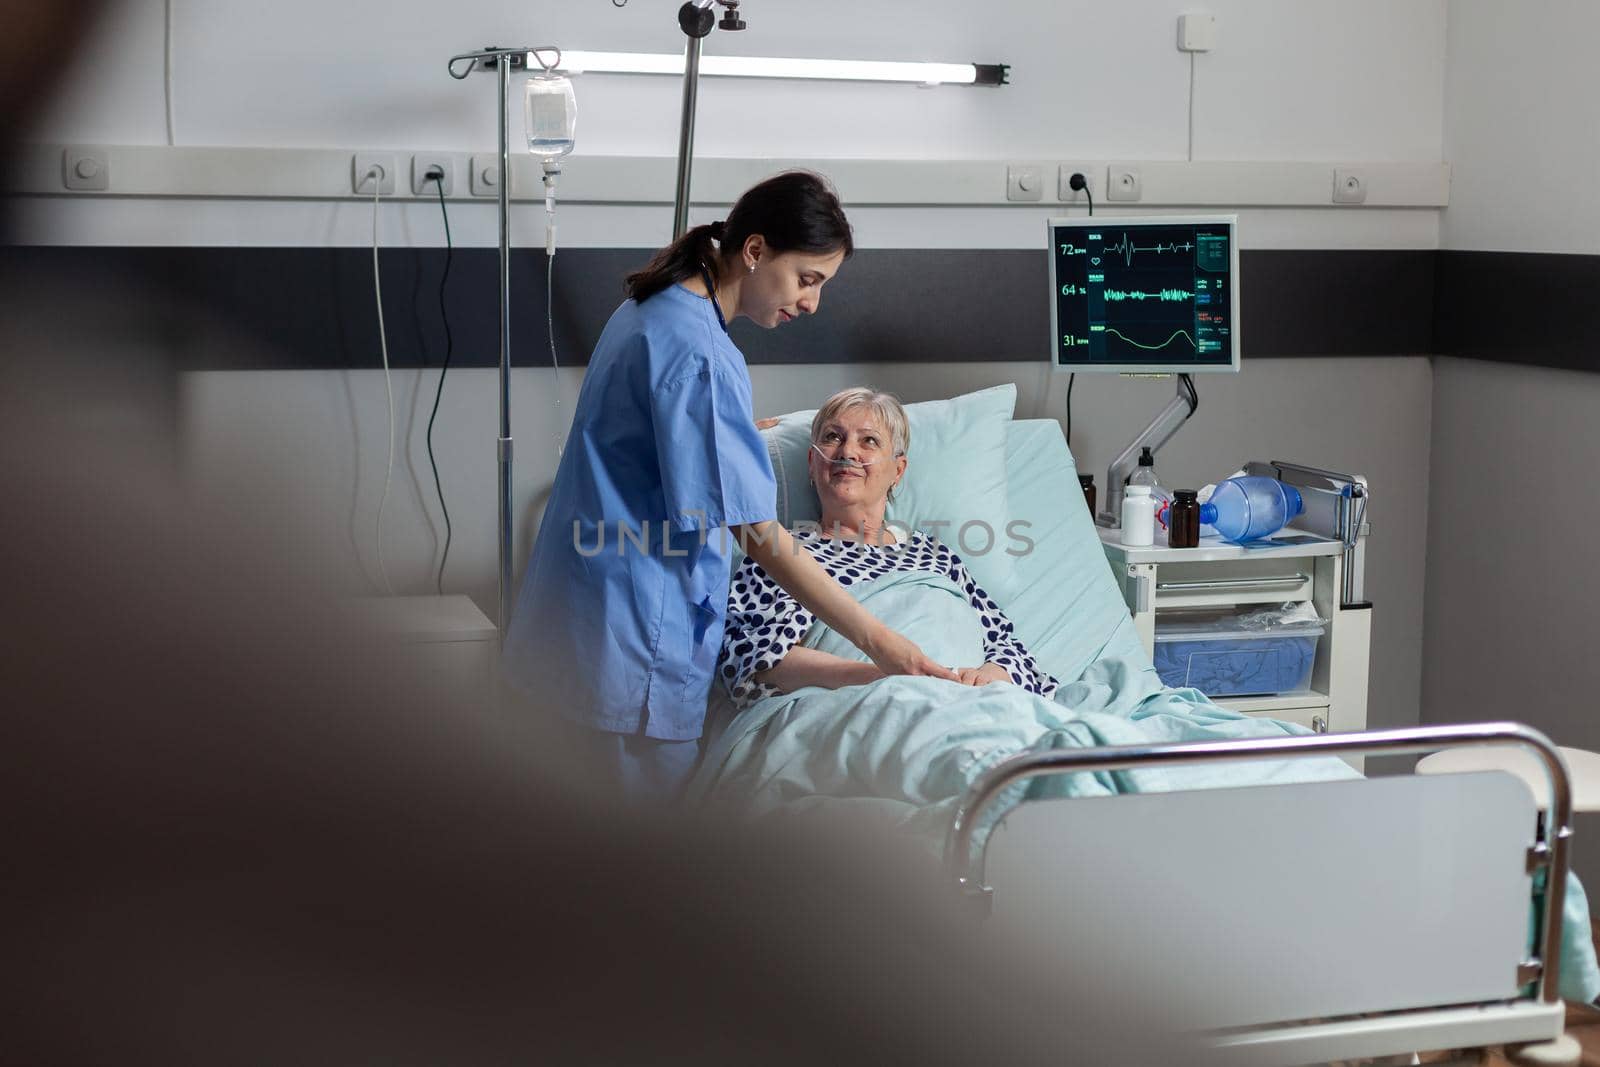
<point x="1152" y="348"/>
<point x="1134" y="294"/>
<point x="1127" y="249"/>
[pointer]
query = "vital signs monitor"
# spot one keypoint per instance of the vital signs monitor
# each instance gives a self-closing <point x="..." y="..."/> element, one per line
<point x="1147" y="295"/>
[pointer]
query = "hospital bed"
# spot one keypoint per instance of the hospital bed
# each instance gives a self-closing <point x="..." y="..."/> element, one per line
<point x="1284" y="923"/>
<point x="1290" y="923"/>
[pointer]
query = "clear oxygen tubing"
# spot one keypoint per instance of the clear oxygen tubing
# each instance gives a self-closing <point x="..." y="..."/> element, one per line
<point x="852" y="464"/>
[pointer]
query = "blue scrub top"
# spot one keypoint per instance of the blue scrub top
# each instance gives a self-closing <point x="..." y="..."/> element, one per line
<point x="619" y="619"/>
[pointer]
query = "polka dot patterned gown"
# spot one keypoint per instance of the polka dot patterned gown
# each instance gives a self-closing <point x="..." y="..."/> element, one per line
<point x="764" y="622"/>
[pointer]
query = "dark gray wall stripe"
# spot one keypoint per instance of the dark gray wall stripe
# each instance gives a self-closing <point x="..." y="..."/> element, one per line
<point x="1533" y="308"/>
<point x="312" y="307"/>
<point x="1337" y="303"/>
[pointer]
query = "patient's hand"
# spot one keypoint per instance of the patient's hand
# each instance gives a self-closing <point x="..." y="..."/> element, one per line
<point x="984" y="675"/>
<point x="767" y="424"/>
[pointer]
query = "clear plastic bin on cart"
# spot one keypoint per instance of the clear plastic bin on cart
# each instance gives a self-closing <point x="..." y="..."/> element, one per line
<point x="1226" y="654"/>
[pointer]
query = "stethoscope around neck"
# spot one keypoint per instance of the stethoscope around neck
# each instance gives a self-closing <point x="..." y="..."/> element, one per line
<point x="711" y="291"/>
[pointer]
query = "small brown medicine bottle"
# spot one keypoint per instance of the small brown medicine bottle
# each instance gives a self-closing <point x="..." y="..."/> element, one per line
<point x="1183" y="520"/>
<point x="1086" y="483"/>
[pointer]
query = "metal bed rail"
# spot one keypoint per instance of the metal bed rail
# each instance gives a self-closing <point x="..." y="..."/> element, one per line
<point x="1551" y="852"/>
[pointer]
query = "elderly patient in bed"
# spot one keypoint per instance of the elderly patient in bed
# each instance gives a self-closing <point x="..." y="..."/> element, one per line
<point x="858" y="455"/>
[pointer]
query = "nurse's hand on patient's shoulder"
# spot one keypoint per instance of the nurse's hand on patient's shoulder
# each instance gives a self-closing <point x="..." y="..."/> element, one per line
<point x="894" y="653"/>
<point x="766" y="424"/>
<point x="984" y="675"/>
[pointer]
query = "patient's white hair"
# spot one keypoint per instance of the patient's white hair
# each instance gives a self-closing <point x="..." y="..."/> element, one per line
<point x="885" y="405"/>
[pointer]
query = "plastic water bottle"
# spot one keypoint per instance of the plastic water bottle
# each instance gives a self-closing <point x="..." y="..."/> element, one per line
<point x="1145" y="472"/>
<point x="1251" y="507"/>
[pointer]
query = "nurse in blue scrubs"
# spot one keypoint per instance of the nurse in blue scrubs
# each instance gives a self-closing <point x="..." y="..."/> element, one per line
<point x="620" y="615"/>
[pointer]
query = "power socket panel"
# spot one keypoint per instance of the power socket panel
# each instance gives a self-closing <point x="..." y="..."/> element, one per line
<point x="421" y="164"/>
<point x="86" y="169"/>
<point x="361" y="167"/>
<point x="1123" y="183"/>
<point x="1067" y="194"/>
<point x="1024" y="182"/>
<point x="485" y="174"/>
<point x="1349" y="187"/>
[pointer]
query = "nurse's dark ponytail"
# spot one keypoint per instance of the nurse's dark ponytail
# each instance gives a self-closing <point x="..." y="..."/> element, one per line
<point x="796" y="211"/>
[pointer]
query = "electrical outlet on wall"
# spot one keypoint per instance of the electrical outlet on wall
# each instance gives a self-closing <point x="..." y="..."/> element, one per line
<point x="86" y="169"/>
<point x="422" y="164"/>
<point x="1123" y="183"/>
<point x="485" y="174"/>
<point x="362" y="167"/>
<point x="1349" y="187"/>
<point x="1024" y="181"/>
<point x="1064" y="189"/>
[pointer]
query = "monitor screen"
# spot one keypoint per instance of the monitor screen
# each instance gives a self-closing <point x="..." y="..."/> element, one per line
<point x="1152" y="295"/>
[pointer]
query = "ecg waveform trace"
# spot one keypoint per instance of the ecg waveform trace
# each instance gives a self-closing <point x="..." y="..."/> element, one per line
<point x="1153" y="348"/>
<point x="1127" y="250"/>
<point x="1154" y="293"/>
<point x="1170" y="295"/>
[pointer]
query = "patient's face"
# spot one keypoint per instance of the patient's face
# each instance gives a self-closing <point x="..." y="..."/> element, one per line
<point x="860" y="436"/>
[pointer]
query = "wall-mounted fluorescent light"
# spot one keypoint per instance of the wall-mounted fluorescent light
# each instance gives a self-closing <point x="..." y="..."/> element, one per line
<point x="754" y="67"/>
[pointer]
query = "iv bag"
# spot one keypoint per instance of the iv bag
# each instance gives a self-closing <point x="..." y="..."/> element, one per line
<point x="552" y="114"/>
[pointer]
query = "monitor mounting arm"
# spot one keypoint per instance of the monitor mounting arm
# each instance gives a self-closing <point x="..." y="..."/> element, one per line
<point x="1153" y="436"/>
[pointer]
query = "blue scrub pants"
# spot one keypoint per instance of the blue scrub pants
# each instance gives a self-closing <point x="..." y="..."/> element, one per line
<point x="639" y="769"/>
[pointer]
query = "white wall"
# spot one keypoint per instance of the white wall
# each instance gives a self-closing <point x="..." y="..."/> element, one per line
<point x="1512" y="594"/>
<point x="1289" y="81"/>
<point x="1090" y="80"/>
<point x="1362" y="81"/>
<point x="1511" y="599"/>
<point x="1521" y="127"/>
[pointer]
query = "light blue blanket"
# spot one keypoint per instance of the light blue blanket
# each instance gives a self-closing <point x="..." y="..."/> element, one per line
<point x="902" y="750"/>
<point x="911" y="746"/>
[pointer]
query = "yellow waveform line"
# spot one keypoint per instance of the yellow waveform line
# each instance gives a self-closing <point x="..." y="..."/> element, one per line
<point x="1151" y="348"/>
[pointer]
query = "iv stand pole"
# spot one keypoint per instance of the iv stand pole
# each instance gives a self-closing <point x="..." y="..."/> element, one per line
<point x="504" y="445"/>
<point x="695" y="18"/>
<point x="502" y="61"/>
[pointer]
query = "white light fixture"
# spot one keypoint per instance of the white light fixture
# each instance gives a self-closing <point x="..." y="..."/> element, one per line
<point x="757" y="67"/>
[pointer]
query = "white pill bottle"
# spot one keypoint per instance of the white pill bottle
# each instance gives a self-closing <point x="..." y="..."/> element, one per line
<point x="1138" y="517"/>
